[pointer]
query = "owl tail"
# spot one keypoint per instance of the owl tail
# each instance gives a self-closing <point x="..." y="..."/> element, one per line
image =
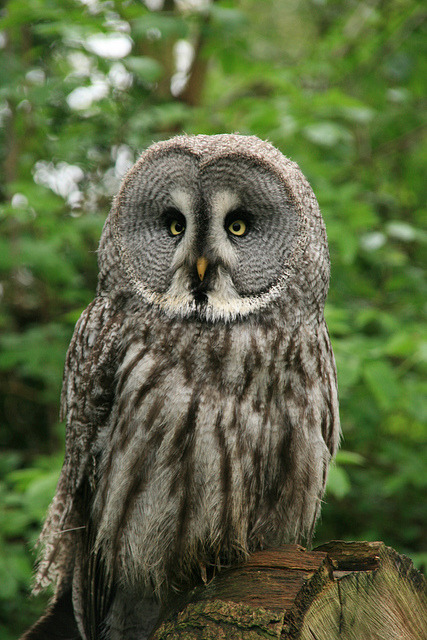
<point x="57" y="622"/>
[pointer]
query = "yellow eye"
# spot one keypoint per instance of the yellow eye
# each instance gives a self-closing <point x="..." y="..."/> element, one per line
<point x="176" y="228"/>
<point x="237" y="228"/>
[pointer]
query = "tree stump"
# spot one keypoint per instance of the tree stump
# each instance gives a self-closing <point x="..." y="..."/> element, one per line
<point x="345" y="591"/>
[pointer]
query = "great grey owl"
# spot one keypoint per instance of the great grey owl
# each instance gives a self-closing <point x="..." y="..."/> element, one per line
<point x="200" y="390"/>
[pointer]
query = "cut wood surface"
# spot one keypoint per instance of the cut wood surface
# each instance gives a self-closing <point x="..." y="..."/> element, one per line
<point x="345" y="590"/>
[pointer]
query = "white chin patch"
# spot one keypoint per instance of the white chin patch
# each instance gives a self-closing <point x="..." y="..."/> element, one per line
<point x="221" y="303"/>
<point x="217" y="306"/>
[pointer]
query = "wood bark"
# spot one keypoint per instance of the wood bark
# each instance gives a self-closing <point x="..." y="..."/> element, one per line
<point x="342" y="590"/>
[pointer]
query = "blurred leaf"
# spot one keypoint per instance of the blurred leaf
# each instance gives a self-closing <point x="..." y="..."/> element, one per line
<point x="382" y="382"/>
<point x="159" y="25"/>
<point x="228" y="18"/>
<point x="349" y="457"/>
<point x="145" y="68"/>
<point x="338" y="482"/>
<point x="327" y="134"/>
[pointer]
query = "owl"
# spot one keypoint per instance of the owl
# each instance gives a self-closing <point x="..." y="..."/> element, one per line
<point x="200" y="389"/>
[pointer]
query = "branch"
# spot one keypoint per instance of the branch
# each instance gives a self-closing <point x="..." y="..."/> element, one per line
<point x="344" y="591"/>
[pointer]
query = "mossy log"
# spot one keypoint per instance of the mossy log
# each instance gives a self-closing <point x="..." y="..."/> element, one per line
<point x="341" y="590"/>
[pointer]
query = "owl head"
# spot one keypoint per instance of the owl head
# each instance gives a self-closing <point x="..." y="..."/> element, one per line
<point x="218" y="228"/>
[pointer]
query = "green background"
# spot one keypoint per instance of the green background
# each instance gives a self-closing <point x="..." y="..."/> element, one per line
<point x="338" y="86"/>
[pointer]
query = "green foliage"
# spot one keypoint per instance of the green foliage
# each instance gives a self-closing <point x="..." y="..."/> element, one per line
<point x="338" y="87"/>
<point x="25" y="492"/>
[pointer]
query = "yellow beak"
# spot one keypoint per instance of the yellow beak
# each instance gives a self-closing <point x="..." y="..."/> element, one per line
<point x="202" y="263"/>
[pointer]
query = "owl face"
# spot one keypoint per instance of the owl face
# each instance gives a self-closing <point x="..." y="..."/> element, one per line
<point x="206" y="234"/>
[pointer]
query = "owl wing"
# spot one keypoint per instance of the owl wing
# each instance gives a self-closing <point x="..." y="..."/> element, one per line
<point x="331" y="429"/>
<point x="330" y="420"/>
<point x="87" y="396"/>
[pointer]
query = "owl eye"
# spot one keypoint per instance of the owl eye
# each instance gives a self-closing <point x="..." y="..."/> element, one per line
<point x="237" y="228"/>
<point x="174" y="221"/>
<point x="176" y="227"/>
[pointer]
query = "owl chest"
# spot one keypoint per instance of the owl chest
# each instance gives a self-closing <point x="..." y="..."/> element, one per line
<point x="198" y="393"/>
<point x="206" y="406"/>
<point x="197" y="450"/>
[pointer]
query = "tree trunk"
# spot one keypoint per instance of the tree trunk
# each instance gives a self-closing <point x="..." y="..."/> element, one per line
<point x="345" y="591"/>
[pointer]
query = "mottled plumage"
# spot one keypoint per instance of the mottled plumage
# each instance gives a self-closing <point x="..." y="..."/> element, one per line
<point x="201" y="414"/>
